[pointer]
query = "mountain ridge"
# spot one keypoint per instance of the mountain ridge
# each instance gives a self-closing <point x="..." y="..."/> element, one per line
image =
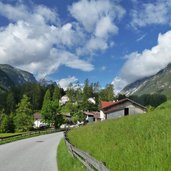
<point x="11" y="76"/>
<point x="159" y="83"/>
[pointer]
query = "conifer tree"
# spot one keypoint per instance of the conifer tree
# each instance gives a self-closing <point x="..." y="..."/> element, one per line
<point x="47" y="96"/>
<point x="24" y="115"/>
<point x="56" y="93"/>
<point x="50" y="109"/>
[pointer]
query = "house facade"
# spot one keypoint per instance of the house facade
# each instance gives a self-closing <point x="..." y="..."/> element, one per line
<point x="37" y="121"/>
<point x="124" y="107"/>
<point x="92" y="116"/>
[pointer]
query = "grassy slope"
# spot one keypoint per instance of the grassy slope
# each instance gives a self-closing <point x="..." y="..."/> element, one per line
<point x="139" y="142"/>
<point x="65" y="161"/>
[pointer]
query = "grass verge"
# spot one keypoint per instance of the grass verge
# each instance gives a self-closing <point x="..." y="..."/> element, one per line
<point x="5" y="135"/>
<point x="65" y="161"/>
<point x="7" y="138"/>
<point x="139" y="142"/>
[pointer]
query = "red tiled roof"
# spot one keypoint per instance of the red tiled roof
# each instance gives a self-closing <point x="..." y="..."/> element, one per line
<point x="105" y="104"/>
<point x="121" y="101"/>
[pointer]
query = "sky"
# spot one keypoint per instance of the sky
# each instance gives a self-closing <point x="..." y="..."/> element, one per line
<point x="106" y="41"/>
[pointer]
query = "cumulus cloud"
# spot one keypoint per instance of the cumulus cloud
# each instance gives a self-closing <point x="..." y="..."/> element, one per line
<point x="36" y="40"/>
<point x="97" y="17"/>
<point x="22" y="12"/>
<point x="147" y="63"/>
<point x="65" y="82"/>
<point x="105" y="26"/>
<point x="145" y="14"/>
<point x="92" y="14"/>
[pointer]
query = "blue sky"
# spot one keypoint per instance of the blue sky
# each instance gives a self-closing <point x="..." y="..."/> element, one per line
<point x="106" y="41"/>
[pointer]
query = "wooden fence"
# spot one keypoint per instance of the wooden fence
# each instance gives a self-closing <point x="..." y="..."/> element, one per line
<point x="28" y="134"/>
<point x="89" y="162"/>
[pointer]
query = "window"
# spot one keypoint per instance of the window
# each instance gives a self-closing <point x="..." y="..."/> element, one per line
<point x="126" y="111"/>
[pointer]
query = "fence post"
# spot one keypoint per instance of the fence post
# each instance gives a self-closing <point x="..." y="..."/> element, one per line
<point x="88" y="161"/>
<point x="72" y="152"/>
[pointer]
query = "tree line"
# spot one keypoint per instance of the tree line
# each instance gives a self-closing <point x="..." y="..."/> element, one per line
<point x="148" y="100"/>
<point x="18" y="105"/>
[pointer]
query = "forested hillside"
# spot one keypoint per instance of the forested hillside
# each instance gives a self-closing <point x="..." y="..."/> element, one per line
<point x="10" y="76"/>
<point x="45" y="99"/>
<point x="19" y="103"/>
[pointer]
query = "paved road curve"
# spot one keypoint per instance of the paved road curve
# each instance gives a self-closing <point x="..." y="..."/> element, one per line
<point x="33" y="154"/>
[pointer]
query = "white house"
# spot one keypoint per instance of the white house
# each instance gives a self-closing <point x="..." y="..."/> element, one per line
<point x="104" y="104"/>
<point x="63" y="100"/>
<point x="37" y="121"/>
<point x="124" y="107"/>
<point x="92" y="100"/>
<point x="102" y="115"/>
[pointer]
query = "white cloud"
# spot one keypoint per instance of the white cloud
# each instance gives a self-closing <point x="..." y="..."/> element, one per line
<point x="13" y="12"/>
<point x="54" y="61"/>
<point x="92" y="45"/>
<point x="36" y="42"/>
<point x="151" y="13"/>
<point x="65" y="82"/>
<point x="141" y="38"/>
<point x="119" y="84"/>
<point x="97" y="17"/>
<point x="48" y="14"/>
<point x="70" y="35"/>
<point x="73" y="61"/>
<point x="104" y="27"/>
<point x="90" y="12"/>
<point x="21" y="12"/>
<point x="95" y="44"/>
<point x="147" y="63"/>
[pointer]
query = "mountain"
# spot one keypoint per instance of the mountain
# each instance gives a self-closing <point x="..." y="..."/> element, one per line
<point x="159" y="83"/>
<point x="10" y="76"/>
<point x="45" y="82"/>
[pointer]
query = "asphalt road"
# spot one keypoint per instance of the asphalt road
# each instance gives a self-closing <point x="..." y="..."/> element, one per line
<point x="33" y="154"/>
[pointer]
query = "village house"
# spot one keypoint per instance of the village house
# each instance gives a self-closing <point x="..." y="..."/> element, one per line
<point x="92" y="100"/>
<point x="92" y="116"/>
<point x="64" y="100"/>
<point x="37" y="121"/>
<point x="124" y="107"/>
<point x="67" y="117"/>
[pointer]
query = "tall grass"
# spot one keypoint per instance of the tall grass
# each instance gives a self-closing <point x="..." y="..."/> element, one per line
<point x="133" y="143"/>
<point x="65" y="161"/>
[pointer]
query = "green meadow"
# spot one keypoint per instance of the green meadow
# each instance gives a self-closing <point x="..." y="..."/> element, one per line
<point x="65" y="161"/>
<point x="138" y="142"/>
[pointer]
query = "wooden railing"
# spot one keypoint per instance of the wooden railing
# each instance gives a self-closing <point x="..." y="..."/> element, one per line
<point x="88" y="161"/>
<point x="27" y="134"/>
